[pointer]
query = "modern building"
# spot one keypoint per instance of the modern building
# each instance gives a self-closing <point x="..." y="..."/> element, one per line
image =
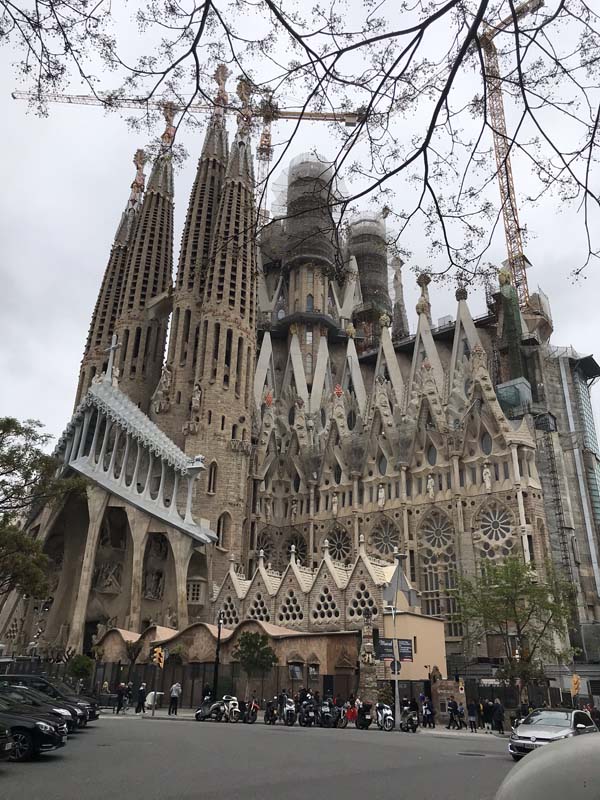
<point x="268" y="460"/>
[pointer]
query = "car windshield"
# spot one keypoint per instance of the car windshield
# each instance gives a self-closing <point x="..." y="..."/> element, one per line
<point x="559" y="719"/>
<point x="63" y="687"/>
<point x="13" y="694"/>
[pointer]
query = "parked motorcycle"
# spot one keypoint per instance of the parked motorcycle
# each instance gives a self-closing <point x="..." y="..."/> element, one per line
<point x="307" y="713"/>
<point x="327" y="714"/>
<point x="364" y="718"/>
<point x="384" y="716"/>
<point x="271" y="712"/>
<point x="249" y="711"/>
<point x="409" y="720"/>
<point x="343" y="718"/>
<point x="289" y="712"/>
<point x="232" y="708"/>
<point x="210" y="710"/>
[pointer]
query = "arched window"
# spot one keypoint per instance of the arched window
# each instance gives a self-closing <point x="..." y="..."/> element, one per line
<point x="212" y="478"/>
<point x="223" y="526"/>
<point x="234" y="430"/>
<point x="310" y="302"/>
<point x="437" y="573"/>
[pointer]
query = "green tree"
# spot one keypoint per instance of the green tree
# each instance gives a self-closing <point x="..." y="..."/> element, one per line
<point x="255" y="654"/>
<point x="28" y="479"/>
<point x="81" y="668"/>
<point x="529" y="614"/>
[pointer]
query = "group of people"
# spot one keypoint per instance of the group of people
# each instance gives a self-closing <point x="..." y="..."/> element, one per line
<point x="125" y="693"/>
<point x="480" y="714"/>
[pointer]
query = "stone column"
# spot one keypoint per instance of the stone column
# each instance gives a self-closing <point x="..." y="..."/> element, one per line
<point x="139" y="524"/>
<point x="182" y="548"/>
<point x="97" y="500"/>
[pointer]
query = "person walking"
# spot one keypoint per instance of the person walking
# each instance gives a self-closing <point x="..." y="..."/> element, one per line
<point x="452" y="714"/>
<point x="121" y="695"/>
<point x="498" y="716"/>
<point x="472" y="715"/>
<point x="488" y="715"/>
<point x="480" y="710"/>
<point x="462" y="723"/>
<point x="428" y="714"/>
<point x="174" y="695"/>
<point x="141" y="699"/>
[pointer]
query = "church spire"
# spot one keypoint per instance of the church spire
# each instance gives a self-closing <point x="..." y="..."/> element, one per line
<point x="142" y="323"/>
<point x="400" y="327"/>
<point x="105" y="312"/>
<point x="222" y="406"/>
<point x="172" y="412"/>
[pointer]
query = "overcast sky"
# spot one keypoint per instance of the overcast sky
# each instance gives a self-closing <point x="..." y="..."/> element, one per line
<point x="64" y="183"/>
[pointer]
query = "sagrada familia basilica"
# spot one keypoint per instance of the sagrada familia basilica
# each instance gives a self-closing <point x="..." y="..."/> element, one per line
<point x="262" y="432"/>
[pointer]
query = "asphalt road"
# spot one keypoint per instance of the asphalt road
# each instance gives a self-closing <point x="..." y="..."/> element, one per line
<point x="129" y="758"/>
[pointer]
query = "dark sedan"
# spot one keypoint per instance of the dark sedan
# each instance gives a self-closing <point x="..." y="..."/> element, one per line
<point x="46" y="706"/>
<point x="31" y="734"/>
<point x="546" y="725"/>
<point x="55" y="689"/>
<point x="7" y="745"/>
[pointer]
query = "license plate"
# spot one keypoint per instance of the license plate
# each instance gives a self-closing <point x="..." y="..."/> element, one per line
<point x="8" y="746"/>
<point x="311" y="713"/>
<point x="367" y="716"/>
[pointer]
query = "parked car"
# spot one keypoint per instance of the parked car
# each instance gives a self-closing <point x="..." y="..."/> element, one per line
<point x="79" y="714"/>
<point x="31" y="735"/>
<point x="56" y="689"/>
<point x="546" y="725"/>
<point x="6" y="743"/>
<point x="22" y="696"/>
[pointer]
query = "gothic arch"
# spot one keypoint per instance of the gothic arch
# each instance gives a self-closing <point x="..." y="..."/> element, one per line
<point x="211" y="480"/>
<point x="159" y="595"/>
<point x="224" y="530"/>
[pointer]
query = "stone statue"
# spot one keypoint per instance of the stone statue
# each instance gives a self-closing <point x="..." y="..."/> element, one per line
<point x="196" y="397"/>
<point x="171" y="618"/>
<point x="268" y="509"/>
<point x="430" y="486"/>
<point x="487" y="478"/>
<point x="160" y="399"/>
<point x="107" y="577"/>
<point x="381" y="496"/>
<point x="334" y="504"/>
<point x="154" y="581"/>
<point x="293" y="509"/>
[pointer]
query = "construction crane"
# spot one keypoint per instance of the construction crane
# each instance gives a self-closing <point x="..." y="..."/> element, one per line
<point x="267" y="110"/>
<point x="516" y="259"/>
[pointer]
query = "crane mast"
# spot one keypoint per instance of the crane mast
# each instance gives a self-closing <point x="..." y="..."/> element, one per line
<point x="512" y="228"/>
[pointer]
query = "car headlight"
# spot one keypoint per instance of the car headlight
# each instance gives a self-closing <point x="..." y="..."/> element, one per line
<point x="43" y="726"/>
<point x="566" y="735"/>
<point x="62" y="711"/>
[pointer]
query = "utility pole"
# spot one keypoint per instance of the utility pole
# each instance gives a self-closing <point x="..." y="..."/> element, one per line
<point x="217" y="656"/>
<point x="399" y="559"/>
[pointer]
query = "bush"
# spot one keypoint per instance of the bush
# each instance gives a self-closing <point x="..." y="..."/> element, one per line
<point x="81" y="667"/>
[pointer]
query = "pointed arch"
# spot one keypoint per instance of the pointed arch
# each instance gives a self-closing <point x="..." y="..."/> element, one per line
<point x="211" y="480"/>
<point x="224" y="530"/>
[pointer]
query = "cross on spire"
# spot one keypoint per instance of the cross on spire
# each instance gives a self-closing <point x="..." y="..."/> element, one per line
<point x="114" y="346"/>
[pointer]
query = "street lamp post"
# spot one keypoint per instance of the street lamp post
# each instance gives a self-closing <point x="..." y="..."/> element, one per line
<point x="399" y="558"/>
<point x="217" y="656"/>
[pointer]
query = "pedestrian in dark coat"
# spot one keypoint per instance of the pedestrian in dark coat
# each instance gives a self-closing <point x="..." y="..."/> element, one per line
<point x="452" y="714"/>
<point x="472" y="715"/>
<point x="141" y="699"/>
<point x="121" y="694"/>
<point x="498" y="716"/>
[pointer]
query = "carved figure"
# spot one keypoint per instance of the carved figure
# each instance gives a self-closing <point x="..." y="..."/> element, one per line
<point x="487" y="478"/>
<point x="154" y="581"/>
<point x="381" y="496"/>
<point x="430" y="486"/>
<point x="196" y="397"/>
<point x="161" y="400"/>
<point x="294" y="509"/>
<point x="171" y="618"/>
<point x="107" y="577"/>
<point x="334" y="504"/>
<point x="268" y="509"/>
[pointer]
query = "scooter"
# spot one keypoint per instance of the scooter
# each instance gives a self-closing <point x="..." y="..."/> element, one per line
<point x="289" y="712"/>
<point x="364" y="717"/>
<point x="384" y="717"/>
<point x="232" y="708"/>
<point x="271" y="712"/>
<point x="326" y="715"/>
<point x="210" y="710"/>
<point x="409" y="720"/>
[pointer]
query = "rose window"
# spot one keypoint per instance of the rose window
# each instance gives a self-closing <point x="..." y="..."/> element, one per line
<point x="437" y="530"/>
<point x="385" y="538"/>
<point x="300" y="545"/>
<point x="264" y="543"/>
<point x="495" y="523"/>
<point x="340" y="545"/>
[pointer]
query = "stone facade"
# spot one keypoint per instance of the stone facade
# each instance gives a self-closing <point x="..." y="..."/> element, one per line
<point x="330" y="436"/>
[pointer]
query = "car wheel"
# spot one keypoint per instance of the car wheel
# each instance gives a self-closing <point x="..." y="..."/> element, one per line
<point x="23" y="744"/>
<point x="516" y="758"/>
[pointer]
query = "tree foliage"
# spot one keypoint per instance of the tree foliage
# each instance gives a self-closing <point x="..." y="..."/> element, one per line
<point x="529" y="615"/>
<point x="416" y="72"/>
<point x="81" y="667"/>
<point x="254" y="653"/>
<point x="27" y="480"/>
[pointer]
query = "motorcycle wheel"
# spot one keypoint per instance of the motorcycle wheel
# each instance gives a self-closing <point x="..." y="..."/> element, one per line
<point x="413" y="728"/>
<point x="342" y="722"/>
<point x="252" y="718"/>
<point x="388" y="724"/>
<point x="290" y="719"/>
<point x="234" y="716"/>
<point x="199" y="716"/>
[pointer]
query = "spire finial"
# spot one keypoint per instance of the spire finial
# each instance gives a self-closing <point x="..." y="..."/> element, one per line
<point x="244" y="92"/>
<point x="137" y="187"/>
<point x="220" y="75"/>
<point x="423" y="304"/>
<point x="168" y="136"/>
<point x="114" y="346"/>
